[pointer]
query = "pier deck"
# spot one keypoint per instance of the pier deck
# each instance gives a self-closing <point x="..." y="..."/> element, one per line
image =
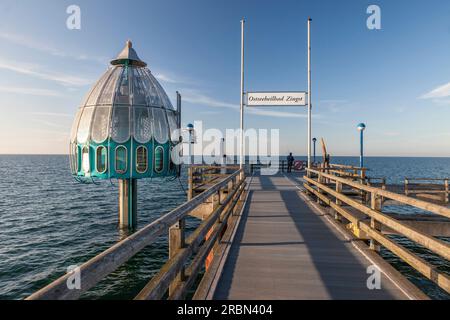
<point x="285" y="249"/>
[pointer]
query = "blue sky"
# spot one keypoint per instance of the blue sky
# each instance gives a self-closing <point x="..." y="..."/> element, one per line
<point x="396" y="80"/>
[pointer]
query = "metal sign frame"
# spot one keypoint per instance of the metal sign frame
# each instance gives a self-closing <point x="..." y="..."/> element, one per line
<point x="304" y="104"/>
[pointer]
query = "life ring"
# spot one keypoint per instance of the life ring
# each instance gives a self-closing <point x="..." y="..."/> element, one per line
<point x="299" y="165"/>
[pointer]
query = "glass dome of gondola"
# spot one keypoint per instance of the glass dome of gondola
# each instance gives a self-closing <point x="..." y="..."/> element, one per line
<point x="126" y="127"/>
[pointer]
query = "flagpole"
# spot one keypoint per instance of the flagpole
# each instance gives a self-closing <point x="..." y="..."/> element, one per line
<point x="241" y="158"/>
<point x="309" y="93"/>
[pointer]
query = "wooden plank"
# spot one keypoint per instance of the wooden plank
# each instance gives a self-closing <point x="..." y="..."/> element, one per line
<point x="158" y="285"/>
<point x="439" y="247"/>
<point x="177" y="242"/>
<point x="284" y="250"/>
<point x="374" y="231"/>
<point x="436" y="209"/>
<point x="425" y="268"/>
<point x="205" y="249"/>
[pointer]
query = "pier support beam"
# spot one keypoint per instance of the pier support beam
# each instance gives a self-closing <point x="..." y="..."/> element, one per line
<point x="190" y="183"/>
<point x="176" y="243"/>
<point x="374" y="224"/>
<point x="128" y="203"/>
<point x="338" y="202"/>
<point x="446" y="198"/>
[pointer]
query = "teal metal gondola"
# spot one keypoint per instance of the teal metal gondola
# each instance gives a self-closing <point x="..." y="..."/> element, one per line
<point x="125" y="128"/>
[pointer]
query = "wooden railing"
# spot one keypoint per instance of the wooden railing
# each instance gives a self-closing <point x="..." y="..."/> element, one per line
<point x="282" y="166"/>
<point x="377" y="180"/>
<point x="201" y="177"/>
<point x="366" y="221"/>
<point x="353" y="172"/>
<point x="428" y="188"/>
<point x="186" y="256"/>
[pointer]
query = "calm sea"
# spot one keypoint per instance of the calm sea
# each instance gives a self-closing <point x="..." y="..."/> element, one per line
<point x="49" y="222"/>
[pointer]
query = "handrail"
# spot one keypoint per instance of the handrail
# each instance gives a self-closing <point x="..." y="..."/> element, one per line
<point x="428" y="186"/>
<point x="381" y="179"/>
<point x="427" y="206"/>
<point x="338" y="169"/>
<point x="158" y="285"/>
<point x="94" y="270"/>
<point x="438" y="246"/>
<point x="377" y="218"/>
<point x="426" y="179"/>
<point x="335" y="165"/>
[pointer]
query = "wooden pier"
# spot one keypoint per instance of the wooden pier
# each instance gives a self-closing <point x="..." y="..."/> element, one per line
<point x="285" y="248"/>
<point x="310" y="235"/>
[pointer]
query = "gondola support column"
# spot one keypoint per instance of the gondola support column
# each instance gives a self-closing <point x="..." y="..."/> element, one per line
<point x="128" y="203"/>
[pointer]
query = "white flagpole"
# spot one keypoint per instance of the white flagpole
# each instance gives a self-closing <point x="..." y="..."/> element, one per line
<point x="309" y="92"/>
<point x="241" y="158"/>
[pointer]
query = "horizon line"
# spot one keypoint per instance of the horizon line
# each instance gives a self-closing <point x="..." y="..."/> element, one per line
<point x="346" y="156"/>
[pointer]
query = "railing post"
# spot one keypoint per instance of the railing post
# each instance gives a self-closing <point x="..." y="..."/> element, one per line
<point x="190" y="182"/>
<point x="241" y="198"/>
<point x="215" y="202"/>
<point x="176" y="242"/>
<point x="363" y="174"/>
<point x="319" y="179"/>
<point x="383" y="187"/>
<point x="230" y="186"/>
<point x="446" y="191"/>
<point x="338" y="202"/>
<point x="307" y="182"/>
<point x="375" y="204"/>
<point x="225" y="191"/>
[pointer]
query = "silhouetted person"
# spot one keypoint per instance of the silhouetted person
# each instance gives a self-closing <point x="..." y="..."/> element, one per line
<point x="290" y="162"/>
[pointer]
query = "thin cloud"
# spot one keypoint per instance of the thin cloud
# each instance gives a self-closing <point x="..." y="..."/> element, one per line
<point x="37" y="72"/>
<point x="333" y="101"/>
<point x="440" y="92"/>
<point x="50" y="124"/>
<point x="194" y="97"/>
<point x="273" y="113"/>
<point x="30" y="91"/>
<point x="164" y="78"/>
<point x="391" y="134"/>
<point x="334" y="105"/>
<point x="52" y="114"/>
<point x="210" y="112"/>
<point x="56" y="133"/>
<point x="170" y="78"/>
<point x="30" y="43"/>
<point x="442" y="102"/>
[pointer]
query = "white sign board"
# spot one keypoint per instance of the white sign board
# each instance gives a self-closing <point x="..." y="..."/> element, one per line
<point x="276" y="99"/>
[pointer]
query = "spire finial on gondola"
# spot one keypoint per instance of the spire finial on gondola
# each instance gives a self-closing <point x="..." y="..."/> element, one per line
<point x="128" y="54"/>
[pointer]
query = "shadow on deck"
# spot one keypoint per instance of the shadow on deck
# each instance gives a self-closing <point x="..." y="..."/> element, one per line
<point x="283" y="249"/>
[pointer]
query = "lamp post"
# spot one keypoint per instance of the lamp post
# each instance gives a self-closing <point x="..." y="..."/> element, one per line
<point x="241" y="156"/>
<point x="361" y="127"/>
<point x="309" y="93"/>
<point x="314" y="150"/>
<point x="190" y="129"/>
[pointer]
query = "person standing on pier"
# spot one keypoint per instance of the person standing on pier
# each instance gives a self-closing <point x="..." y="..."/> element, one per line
<point x="290" y="161"/>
